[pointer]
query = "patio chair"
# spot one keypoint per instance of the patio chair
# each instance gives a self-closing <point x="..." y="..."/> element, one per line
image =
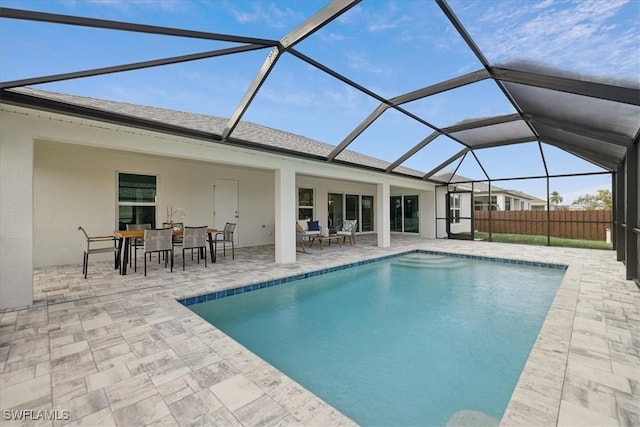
<point x="225" y="236"/>
<point x="301" y="237"/>
<point x="158" y="241"/>
<point x="195" y="238"/>
<point x="90" y="248"/>
<point x="348" y="229"/>
<point x="136" y="243"/>
<point x="177" y="240"/>
<point x="308" y="227"/>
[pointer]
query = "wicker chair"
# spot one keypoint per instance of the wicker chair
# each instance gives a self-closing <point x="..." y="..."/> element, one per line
<point x="158" y="241"/>
<point x="136" y="243"/>
<point x="225" y="236"/>
<point x="195" y="238"/>
<point x="348" y="229"/>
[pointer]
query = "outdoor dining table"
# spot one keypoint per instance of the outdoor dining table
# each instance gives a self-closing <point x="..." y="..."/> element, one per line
<point x="124" y="242"/>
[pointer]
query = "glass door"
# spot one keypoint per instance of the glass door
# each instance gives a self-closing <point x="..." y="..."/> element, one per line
<point x="396" y="213"/>
<point x="367" y="213"/>
<point x="459" y="215"/>
<point x="352" y="208"/>
<point x="405" y="216"/>
<point x="336" y="207"/>
<point x="411" y="217"/>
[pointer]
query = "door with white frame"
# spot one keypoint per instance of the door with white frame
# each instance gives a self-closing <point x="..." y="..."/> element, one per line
<point x="226" y="205"/>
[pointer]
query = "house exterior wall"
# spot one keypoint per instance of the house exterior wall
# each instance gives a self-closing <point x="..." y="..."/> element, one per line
<point x="59" y="171"/>
<point x="75" y="185"/>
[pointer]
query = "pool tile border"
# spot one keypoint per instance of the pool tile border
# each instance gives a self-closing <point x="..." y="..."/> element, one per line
<point x="188" y="301"/>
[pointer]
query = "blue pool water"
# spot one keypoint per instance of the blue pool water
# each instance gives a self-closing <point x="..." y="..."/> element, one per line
<point x="412" y="340"/>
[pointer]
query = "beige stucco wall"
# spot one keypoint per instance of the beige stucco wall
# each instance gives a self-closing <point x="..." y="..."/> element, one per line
<point x="75" y="185"/>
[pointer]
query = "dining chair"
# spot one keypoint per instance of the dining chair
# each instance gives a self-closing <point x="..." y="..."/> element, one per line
<point x="177" y="240"/>
<point x="195" y="238"/>
<point x="160" y="240"/>
<point x="225" y="236"/>
<point x="136" y="243"/>
<point x="90" y="248"/>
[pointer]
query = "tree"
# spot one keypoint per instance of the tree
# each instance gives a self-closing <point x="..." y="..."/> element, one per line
<point x="586" y="201"/>
<point x="604" y="197"/>
<point x="602" y="200"/>
<point x="555" y="198"/>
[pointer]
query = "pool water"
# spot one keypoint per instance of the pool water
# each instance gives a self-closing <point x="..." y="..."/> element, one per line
<point x="414" y="340"/>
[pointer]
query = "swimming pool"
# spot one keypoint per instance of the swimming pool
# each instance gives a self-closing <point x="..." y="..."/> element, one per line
<point x="406" y="341"/>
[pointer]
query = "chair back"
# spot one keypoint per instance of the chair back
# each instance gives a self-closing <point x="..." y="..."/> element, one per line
<point x="350" y="225"/>
<point x="158" y="240"/>
<point x="86" y="236"/>
<point x="195" y="237"/>
<point x="138" y="226"/>
<point x="227" y="232"/>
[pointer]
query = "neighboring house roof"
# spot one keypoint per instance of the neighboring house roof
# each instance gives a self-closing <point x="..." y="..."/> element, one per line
<point x="256" y="135"/>
<point x="482" y="187"/>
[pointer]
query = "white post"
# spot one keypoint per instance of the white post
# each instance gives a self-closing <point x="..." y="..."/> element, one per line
<point x="285" y="205"/>
<point x="608" y="235"/>
<point x="16" y="211"/>
<point x="383" y="216"/>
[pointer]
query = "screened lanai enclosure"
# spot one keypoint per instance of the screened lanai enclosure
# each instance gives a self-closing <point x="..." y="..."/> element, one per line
<point x="461" y="93"/>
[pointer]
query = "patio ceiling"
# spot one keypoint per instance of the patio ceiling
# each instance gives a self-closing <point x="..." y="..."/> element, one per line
<point x="594" y="118"/>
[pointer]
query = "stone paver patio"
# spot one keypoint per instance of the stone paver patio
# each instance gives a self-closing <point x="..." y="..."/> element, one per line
<point x="120" y="350"/>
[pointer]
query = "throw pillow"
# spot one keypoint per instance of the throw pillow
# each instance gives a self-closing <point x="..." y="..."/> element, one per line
<point x="299" y="228"/>
<point x="313" y="226"/>
<point x="347" y="226"/>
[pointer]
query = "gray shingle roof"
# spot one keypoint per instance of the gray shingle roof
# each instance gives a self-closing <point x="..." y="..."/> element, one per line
<point x="246" y="131"/>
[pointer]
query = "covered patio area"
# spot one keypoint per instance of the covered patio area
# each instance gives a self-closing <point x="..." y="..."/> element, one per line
<point x="120" y="350"/>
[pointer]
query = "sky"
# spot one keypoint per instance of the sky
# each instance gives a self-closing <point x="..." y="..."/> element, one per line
<point x="390" y="47"/>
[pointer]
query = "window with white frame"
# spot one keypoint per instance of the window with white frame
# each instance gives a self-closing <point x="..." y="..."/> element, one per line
<point x="137" y="197"/>
<point x="454" y="208"/>
<point x="306" y="203"/>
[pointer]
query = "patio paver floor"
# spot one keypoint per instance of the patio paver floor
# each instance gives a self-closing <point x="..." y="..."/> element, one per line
<point x="120" y="350"/>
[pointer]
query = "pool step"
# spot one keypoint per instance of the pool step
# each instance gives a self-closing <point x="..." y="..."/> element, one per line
<point x="429" y="261"/>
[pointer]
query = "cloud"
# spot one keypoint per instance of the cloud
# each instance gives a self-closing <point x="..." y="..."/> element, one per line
<point x="590" y="36"/>
<point x="265" y="13"/>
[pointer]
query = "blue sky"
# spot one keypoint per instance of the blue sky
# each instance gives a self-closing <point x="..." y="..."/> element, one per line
<point x="390" y="47"/>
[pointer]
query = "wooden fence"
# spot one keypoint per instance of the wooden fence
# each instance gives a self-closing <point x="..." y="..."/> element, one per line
<point x="586" y="225"/>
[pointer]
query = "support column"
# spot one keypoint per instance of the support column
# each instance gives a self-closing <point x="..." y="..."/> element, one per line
<point x="631" y="187"/>
<point x="285" y="204"/>
<point x="383" y="216"/>
<point x="618" y="212"/>
<point x="16" y="213"/>
<point x="427" y="214"/>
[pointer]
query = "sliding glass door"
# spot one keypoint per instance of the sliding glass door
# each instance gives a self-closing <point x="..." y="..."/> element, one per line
<point x="404" y="214"/>
<point x="336" y="208"/>
<point x="343" y="206"/>
<point x="367" y="214"/>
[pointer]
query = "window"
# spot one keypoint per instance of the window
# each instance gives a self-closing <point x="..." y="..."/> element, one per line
<point x="137" y="195"/>
<point x="306" y="203"/>
<point x="507" y="203"/>
<point x="455" y="208"/>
